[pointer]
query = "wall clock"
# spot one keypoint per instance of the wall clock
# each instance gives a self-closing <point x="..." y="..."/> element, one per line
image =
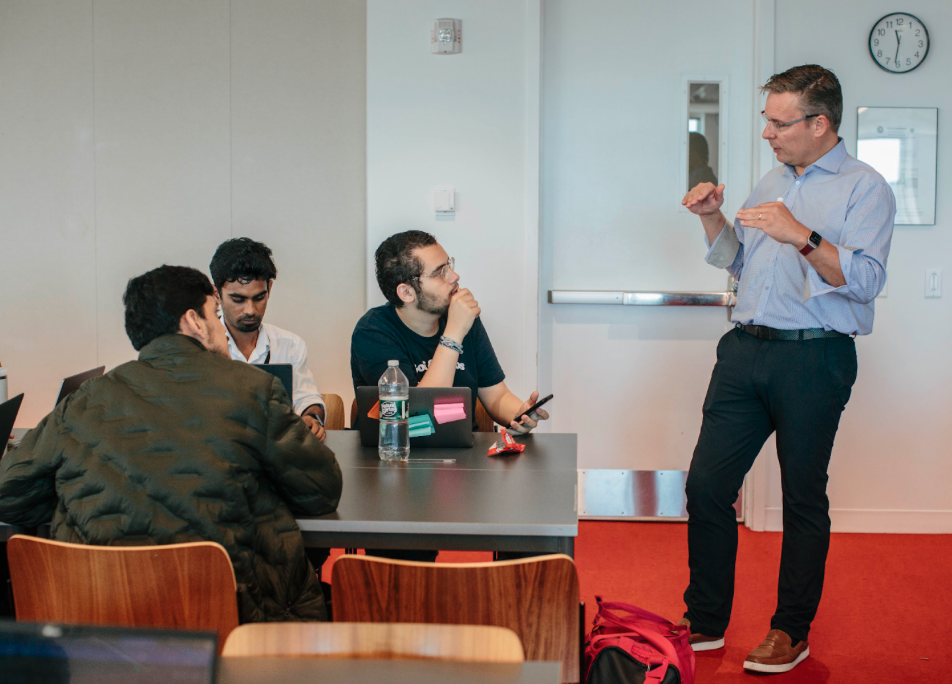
<point x="899" y="42"/>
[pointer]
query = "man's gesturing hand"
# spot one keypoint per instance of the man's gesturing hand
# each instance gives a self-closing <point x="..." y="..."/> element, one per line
<point x="463" y="311"/>
<point x="704" y="199"/>
<point x="776" y="221"/>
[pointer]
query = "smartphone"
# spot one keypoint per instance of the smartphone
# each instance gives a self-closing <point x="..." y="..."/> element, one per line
<point x="531" y="409"/>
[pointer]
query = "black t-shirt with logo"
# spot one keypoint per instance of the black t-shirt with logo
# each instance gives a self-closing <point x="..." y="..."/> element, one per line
<point x="380" y="336"/>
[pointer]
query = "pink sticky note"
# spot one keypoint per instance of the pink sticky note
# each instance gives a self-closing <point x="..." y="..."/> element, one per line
<point x="447" y="413"/>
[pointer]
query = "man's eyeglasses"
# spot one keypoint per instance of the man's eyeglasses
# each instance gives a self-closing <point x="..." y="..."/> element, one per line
<point x="778" y="126"/>
<point x="443" y="271"/>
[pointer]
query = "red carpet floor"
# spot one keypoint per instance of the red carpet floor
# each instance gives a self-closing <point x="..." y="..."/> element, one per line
<point x="884" y="617"/>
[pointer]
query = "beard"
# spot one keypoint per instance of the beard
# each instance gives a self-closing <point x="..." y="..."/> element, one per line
<point x="431" y="304"/>
<point x="247" y="325"/>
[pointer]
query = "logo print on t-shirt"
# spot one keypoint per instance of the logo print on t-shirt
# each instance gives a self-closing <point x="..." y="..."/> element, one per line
<point x="423" y="367"/>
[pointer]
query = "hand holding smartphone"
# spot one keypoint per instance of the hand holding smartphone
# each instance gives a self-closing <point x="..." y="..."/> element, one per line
<point x="532" y="409"/>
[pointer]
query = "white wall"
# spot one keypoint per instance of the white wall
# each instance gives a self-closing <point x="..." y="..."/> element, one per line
<point x="460" y="120"/>
<point x="891" y="465"/>
<point x="141" y="133"/>
<point x="631" y="380"/>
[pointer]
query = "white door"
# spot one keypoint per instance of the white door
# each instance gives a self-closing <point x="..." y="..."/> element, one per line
<point x="617" y="75"/>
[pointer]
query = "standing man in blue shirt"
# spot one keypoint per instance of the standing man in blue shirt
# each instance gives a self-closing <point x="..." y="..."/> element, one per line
<point x="809" y="250"/>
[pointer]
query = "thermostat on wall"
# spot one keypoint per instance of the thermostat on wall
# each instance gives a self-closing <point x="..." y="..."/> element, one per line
<point x="446" y="36"/>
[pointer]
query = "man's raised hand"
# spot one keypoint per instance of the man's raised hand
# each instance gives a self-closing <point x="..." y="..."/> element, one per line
<point x="704" y="199"/>
<point x="463" y="311"/>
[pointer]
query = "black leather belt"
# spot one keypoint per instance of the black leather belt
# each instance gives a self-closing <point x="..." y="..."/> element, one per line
<point x="762" y="332"/>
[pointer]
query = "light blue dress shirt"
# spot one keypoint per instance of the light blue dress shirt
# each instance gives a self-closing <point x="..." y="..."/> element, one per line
<point x="853" y="208"/>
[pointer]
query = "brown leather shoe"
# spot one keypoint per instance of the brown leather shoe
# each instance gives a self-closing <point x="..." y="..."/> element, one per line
<point x="776" y="654"/>
<point x="699" y="642"/>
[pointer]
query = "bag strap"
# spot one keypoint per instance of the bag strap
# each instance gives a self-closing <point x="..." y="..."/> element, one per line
<point x="658" y="642"/>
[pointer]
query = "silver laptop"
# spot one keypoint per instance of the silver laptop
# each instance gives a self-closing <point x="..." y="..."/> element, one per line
<point x="423" y="400"/>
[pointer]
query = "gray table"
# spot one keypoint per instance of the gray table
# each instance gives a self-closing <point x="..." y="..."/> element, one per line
<point x="361" y="671"/>
<point x="524" y="502"/>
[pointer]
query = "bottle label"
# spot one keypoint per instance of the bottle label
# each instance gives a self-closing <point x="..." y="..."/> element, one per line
<point x="394" y="409"/>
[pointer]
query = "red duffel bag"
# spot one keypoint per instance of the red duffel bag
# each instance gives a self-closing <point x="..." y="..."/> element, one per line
<point x="631" y="645"/>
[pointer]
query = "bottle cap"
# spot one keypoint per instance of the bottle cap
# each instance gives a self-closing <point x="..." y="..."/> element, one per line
<point x="392" y="363"/>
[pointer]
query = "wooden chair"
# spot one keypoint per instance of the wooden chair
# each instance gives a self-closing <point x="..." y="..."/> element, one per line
<point x="334" y="412"/>
<point x="463" y="643"/>
<point x="484" y="422"/>
<point x="179" y="586"/>
<point x="537" y="598"/>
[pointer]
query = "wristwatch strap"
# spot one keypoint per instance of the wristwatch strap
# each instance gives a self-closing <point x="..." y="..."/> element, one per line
<point x="812" y="243"/>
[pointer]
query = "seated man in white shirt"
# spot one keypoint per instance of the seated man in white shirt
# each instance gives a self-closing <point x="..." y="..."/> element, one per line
<point x="243" y="273"/>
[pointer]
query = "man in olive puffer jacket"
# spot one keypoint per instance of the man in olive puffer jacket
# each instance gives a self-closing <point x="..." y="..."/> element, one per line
<point x="182" y="445"/>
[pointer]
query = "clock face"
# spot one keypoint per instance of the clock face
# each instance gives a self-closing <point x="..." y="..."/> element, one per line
<point x="899" y="42"/>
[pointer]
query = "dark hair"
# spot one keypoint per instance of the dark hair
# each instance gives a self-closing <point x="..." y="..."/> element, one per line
<point x="157" y="300"/>
<point x="395" y="263"/>
<point x="698" y="152"/>
<point x="819" y="90"/>
<point x="242" y="259"/>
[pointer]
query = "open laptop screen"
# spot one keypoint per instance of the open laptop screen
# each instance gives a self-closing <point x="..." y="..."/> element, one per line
<point x="32" y="652"/>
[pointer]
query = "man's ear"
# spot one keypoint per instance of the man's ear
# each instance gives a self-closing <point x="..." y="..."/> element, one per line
<point x="190" y="324"/>
<point x="822" y="126"/>
<point x="270" y="286"/>
<point x="406" y="293"/>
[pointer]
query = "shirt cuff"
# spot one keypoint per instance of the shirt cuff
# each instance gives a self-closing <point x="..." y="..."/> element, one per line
<point x="724" y="250"/>
<point x="816" y="286"/>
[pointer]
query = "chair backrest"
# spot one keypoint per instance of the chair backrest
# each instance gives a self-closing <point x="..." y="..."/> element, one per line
<point x="179" y="586"/>
<point x="537" y="598"/>
<point x="464" y="643"/>
<point x="484" y="422"/>
<point x="334" y="412"/>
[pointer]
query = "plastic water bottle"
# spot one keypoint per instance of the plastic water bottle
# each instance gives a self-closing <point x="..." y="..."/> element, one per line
<point x="394" y="444"/>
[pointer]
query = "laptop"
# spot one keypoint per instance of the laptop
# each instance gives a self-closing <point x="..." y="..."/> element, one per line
<point x="8" y="416"/>
<point x="81" y="654"/>
<point x="283" y="372"/>
<point x="423" y="400"/>
<point x="72" y="383"/>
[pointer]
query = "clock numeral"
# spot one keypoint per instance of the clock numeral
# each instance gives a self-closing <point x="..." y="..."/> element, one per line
<point x="879" y="53"/>
<point x="899" y="21"/>
<point x="889" y="24"/>
<point x="881" y="32"/>
<point x="918" y="33"/>
<point x="887" y="61"/>
<point x="917" y="55"/>
<point x="920" y="43"/>
<point x="908" y="61"/>
<point x="876" y="42"/>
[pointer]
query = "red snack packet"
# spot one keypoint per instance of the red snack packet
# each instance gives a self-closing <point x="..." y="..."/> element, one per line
<point x="505" y="444"/>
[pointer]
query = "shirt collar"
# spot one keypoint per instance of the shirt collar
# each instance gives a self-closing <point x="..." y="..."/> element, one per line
<point x="261" y="348"/>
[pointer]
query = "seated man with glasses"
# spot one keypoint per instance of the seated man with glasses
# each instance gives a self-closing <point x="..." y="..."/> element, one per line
<point x="431" y="326"/>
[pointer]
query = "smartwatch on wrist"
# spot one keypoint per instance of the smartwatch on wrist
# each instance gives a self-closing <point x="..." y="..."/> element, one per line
<point x="812" y="243"/>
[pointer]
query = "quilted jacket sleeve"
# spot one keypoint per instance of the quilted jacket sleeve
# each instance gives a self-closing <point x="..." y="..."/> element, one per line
<point x="304" y="472"/>
<point x="28" y="473"/>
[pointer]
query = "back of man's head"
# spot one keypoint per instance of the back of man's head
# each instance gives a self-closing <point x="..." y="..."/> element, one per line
<point x="395" y="263"/>
<point x="156" y="301"/>
<point x="242" y="260"/>
<point x="819" y="91"/>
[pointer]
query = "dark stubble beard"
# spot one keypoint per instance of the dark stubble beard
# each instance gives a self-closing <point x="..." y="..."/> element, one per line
<point x="247" y="326"/>
<point x="431" y="305"/>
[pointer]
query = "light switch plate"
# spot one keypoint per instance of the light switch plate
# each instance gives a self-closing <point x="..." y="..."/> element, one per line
<point x="933" y="283"/>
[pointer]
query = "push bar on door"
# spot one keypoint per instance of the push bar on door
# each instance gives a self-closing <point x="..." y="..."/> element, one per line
<point x="728" y="299"/>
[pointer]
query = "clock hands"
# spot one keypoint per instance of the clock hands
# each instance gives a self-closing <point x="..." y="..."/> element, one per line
<point x="898" y="40"/>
